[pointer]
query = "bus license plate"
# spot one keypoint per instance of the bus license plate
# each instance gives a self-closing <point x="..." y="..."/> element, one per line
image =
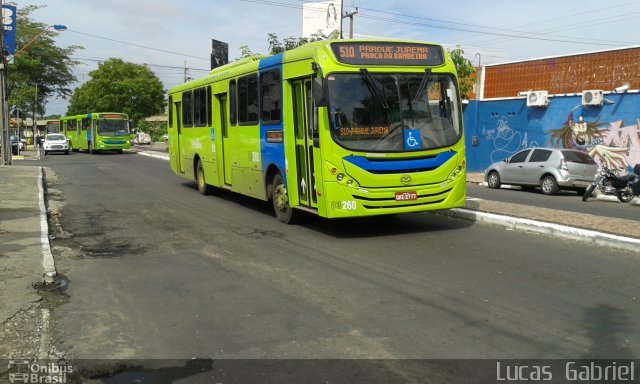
<point x="404" y="196"/>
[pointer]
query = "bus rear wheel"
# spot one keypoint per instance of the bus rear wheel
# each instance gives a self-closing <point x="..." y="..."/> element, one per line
<point x="281" y="204"/>
<point x="203" y="187"/>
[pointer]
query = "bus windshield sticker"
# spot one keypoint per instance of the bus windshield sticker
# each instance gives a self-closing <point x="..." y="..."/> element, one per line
<point x="388" y="53"/>
<point x="412" y="139"/>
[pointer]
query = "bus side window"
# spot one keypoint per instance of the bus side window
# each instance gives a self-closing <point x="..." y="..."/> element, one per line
<point x="271" y="96"/>
<point x="209" y="107"/>
<point x="187" y="109"/>
<point x="232" y="103"/>
<point x="170" y="111"/>
<point x="248" y="100"/>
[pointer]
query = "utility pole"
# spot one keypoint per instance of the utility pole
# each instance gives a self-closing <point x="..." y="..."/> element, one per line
<point x="350" y="16"/>
<point x="6" y="145"/>
<point x="4" y="120"/>
<point x="35" y="125"/>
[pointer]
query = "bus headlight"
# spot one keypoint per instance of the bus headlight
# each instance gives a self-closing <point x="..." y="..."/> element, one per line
<point x="340" y="176"/>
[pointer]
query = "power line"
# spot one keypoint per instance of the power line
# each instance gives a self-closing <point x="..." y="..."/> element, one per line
<point x="100" y="60"/>
<point x="521" y="34"/>
<point x="138" y="45"/>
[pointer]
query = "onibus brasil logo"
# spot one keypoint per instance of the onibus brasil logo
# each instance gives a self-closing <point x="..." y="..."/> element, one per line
<point x="25" y="371"/>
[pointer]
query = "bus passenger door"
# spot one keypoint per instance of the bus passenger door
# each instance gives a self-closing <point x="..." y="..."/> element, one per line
<point x="304" y="132"/>
<point x="224" y="126"/>
<point x="177" y="112"/>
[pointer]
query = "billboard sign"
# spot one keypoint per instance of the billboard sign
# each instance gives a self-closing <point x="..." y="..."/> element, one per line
<point x="324" y="17"/>
<point x="9" y="23"/>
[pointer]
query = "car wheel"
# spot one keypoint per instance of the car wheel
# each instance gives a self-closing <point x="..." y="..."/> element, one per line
<point x="66" y="152"/>
<point x="549" y="185"/>
<point x="46" y="153"/>
<point x="493" y="180"/>
<point x="203" y="187"/>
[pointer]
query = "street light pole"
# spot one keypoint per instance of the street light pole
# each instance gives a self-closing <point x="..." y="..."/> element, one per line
<point x="4" y="119"/>
<point x="57" y="27"/>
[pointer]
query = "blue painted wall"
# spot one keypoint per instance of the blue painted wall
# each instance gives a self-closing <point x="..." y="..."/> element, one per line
<point x="502" y="127"/>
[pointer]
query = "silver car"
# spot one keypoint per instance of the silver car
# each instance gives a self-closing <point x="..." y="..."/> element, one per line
<point x="551" y="169"/>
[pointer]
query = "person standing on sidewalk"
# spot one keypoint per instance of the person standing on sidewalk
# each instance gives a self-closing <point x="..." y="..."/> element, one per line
<point x="38" y="142"/>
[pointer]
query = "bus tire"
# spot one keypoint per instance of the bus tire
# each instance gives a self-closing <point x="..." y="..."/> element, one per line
<point x="280" y="200"/>
<point x="203" y="187"/>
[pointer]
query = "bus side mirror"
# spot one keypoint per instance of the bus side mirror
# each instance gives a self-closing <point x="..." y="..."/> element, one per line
<point x="319" y="91"/>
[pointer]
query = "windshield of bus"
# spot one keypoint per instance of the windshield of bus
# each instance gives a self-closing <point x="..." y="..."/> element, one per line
<point x="112" y="127"/>
<point x="53" y="127"/>
<point x="393" y="112"/>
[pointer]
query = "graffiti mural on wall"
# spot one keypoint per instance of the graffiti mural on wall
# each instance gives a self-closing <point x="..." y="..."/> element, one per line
<point x="506" y="140"/>
<point x="611" y="144"/>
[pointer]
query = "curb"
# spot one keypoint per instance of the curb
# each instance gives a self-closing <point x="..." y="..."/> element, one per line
<point x="47" y="257"/>
<point x="557" y="230"/>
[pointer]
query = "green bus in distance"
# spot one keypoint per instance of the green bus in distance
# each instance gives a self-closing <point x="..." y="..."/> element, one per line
<point x="338" y="128"/>
<point x="97" y="131"/>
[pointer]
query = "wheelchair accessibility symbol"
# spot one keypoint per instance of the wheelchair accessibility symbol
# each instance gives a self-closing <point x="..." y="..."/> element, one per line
<point x="412" y="139"/>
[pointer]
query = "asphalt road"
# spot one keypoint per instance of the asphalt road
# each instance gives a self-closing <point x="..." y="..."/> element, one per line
<point x="155" y="270"/>
<point x="565" y="200"/>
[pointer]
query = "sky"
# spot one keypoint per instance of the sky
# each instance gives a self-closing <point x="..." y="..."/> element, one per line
<point x="171" y="35"/>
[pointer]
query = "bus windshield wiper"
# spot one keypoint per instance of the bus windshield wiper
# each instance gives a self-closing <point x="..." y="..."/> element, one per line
<point x="421" y="87"/>
<point x="372" y="87"/>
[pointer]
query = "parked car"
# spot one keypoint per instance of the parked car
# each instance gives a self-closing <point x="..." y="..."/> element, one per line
<point x="15" y="144"/>
<point x="141" y="138"/>
<point x="551" y="169"/>
<point x="56" y="142"/>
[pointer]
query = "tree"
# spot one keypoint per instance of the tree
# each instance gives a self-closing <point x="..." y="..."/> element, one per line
<point x="276" y="46"/>
<point x="42" y="64"/>
<point x="117" y="86"/>
<point x="465" y="70"/>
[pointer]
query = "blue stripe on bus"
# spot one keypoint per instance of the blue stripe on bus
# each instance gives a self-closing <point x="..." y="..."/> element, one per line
<point x="271" y="61"/>
<point x="272" y="153"/>
<point x="379" y="165"/>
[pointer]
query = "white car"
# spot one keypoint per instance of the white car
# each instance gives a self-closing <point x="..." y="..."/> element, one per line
<point x="56" y="142"/>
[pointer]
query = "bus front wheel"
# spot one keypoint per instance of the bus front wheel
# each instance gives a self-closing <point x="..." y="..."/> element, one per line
<point x="281" y="204"/>
<point x="203" y="187"/>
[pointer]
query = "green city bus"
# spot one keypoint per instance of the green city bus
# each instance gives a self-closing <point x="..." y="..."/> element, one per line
<point x="97" y="131"/>
<point x="339" y="128"/>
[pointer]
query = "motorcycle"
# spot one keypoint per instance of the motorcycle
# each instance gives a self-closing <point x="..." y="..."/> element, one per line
<point x="623" y="187"/>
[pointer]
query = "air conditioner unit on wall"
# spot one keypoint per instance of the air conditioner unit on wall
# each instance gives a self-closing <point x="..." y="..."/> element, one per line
<point x="593" y="97"/>
<point x="537" y="99"/>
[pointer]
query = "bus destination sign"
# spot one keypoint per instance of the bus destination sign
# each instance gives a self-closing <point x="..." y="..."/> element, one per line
<point x="111" y="116"/>
<point x="388" y="53"/>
